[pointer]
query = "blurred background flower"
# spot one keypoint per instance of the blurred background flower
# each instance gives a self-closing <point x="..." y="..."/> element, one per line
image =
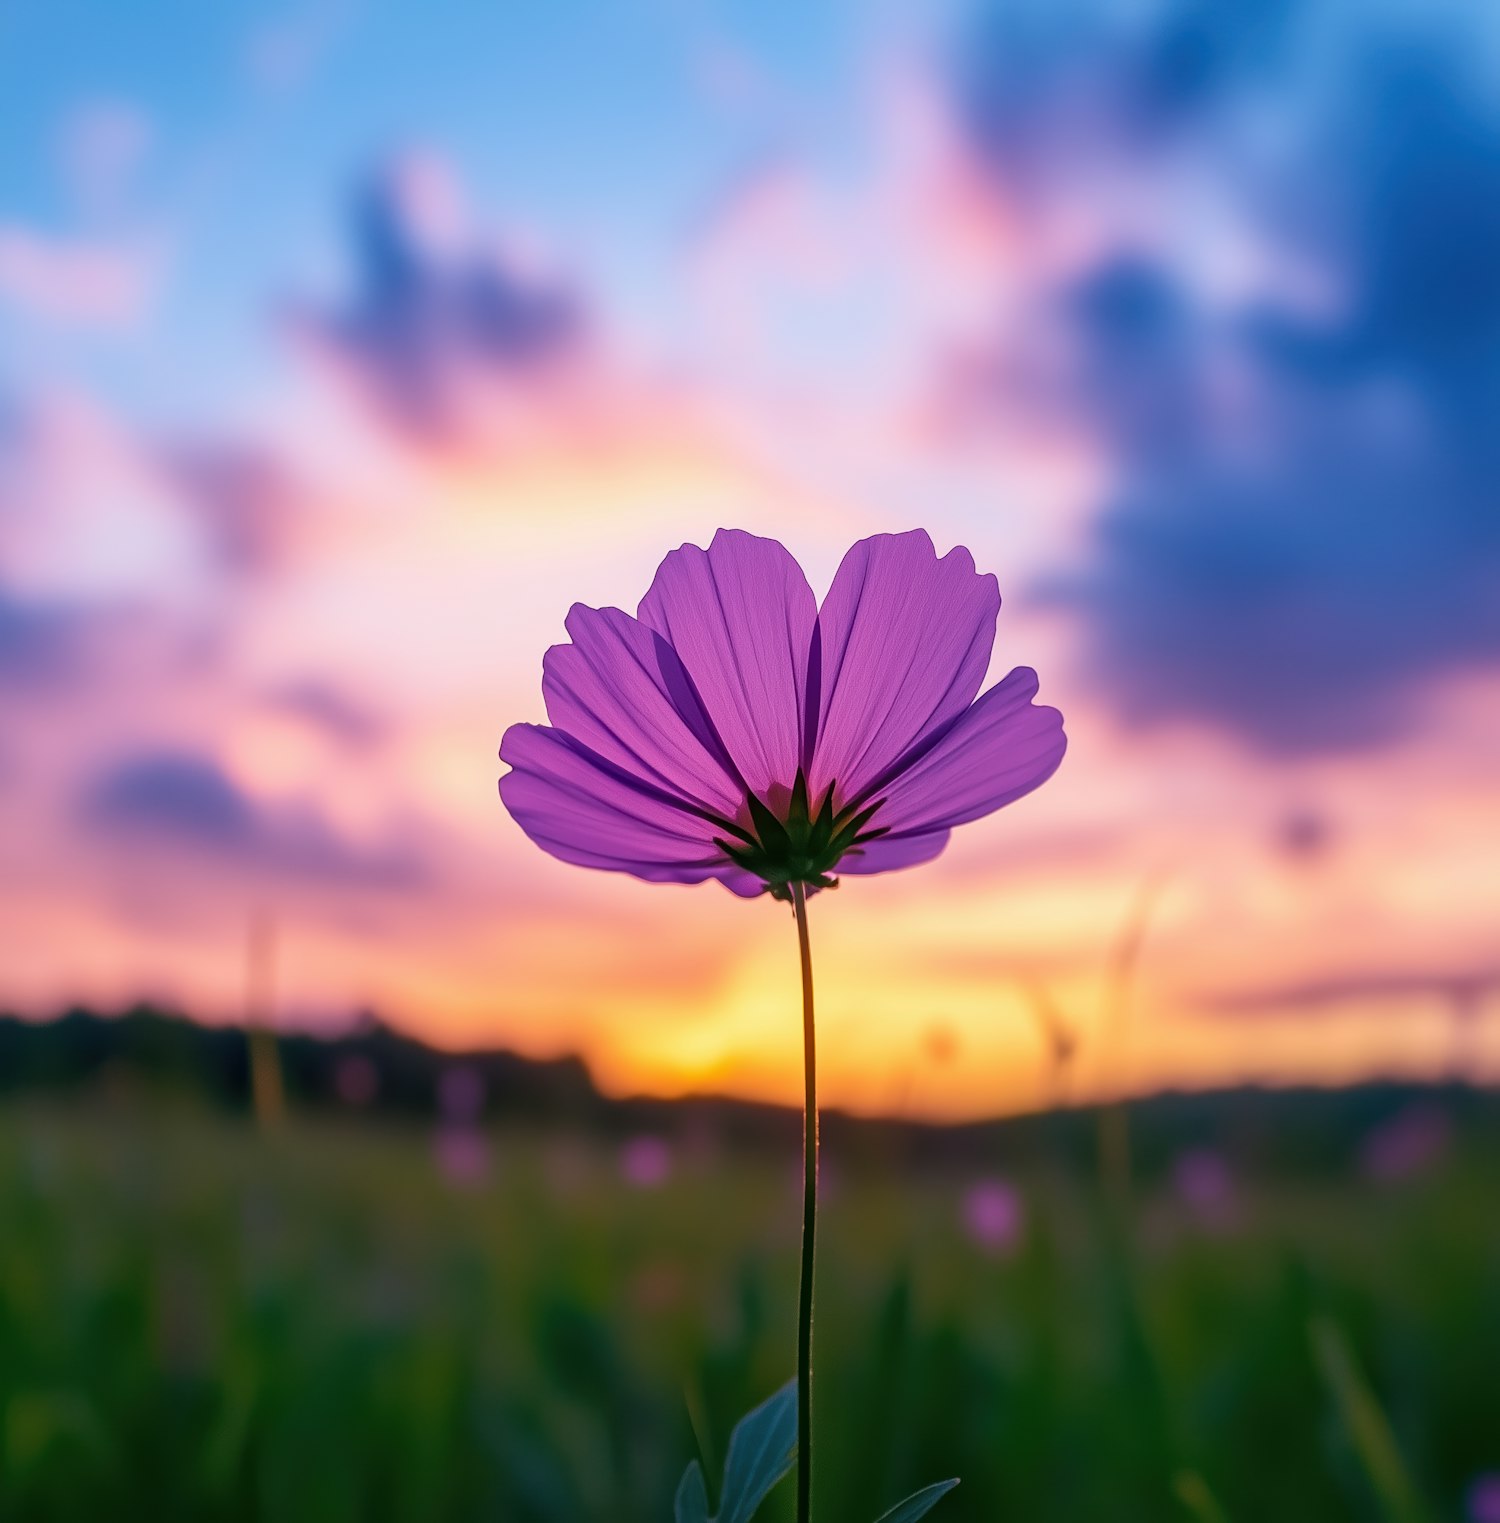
<point x="1408" y="1144"/>
<point x="1484" y="1499"/>
<point x="1205" y="1185"/>
<point x="994" y="1215"/>
<point x="646" y="1162"/>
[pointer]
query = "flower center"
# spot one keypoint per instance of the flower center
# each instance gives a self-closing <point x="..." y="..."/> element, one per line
<point x="804" y="846"/>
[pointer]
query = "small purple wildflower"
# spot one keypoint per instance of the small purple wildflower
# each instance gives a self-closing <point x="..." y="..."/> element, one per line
<point x="735" y="730"/>
<point x="462" y="1154"/>
<point x="994" y="1215"/>
<point x="461" y="1094"/>
<point x="1412" y="1142"/>
<point x="1205" y="1185"/>
<point x="1482" y="1504"/>
<point x="646" y="1162"/>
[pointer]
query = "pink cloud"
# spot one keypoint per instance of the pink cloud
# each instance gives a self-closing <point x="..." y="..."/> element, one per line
<point x="78" y="283"/>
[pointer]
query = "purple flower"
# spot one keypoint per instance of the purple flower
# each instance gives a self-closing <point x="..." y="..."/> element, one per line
<point x="646" y="1162"/>
<point x="1484" y="1499"/>
<point x="1205" y="1185"/>
<point x="1410" y="1143"/>
<point x="735" y="730"/>
<point x="994" y="1215"/>
<point x="462" y="1154"/>
<point x="461" y="1094"/>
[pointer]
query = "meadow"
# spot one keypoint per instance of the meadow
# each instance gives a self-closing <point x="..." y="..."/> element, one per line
<point x="347" y="1319"/>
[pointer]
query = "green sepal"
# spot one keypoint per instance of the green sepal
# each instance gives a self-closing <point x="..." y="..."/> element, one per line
<point x="783" y="891"/>
<point x="848" y="829"/>
<point x="802" y="848"/>
<point x="822" y="828"/>
<point x="798" y="819"/>
<point x="773" y="835"/>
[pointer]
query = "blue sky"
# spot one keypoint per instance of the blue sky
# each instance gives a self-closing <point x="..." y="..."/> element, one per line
<point x="603" y="131"/>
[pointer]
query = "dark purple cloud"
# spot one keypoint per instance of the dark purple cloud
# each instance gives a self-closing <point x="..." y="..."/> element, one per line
<point x="54" y="649"/>
<point x="331" y="710"/>
<point x="431" y="315"/>
<point x="1304" y="531"/>
<point x="1043" y="83"/>
<point x="173" y="794"/>
<point x="1461" y="986"/>
<point x="243" y="498"/>
<point x="40" y="645"/>
<point x="184" y="799"/>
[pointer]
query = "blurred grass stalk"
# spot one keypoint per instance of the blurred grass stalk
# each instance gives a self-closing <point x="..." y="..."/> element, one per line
<point x="1366" y="1426"/>
<point x="1059" y="1040"/>
<point x="267" y="1089"/>
<point x="1119" y="990"/>
<point x="1194" y="1494"/>
<point x="697" y="1415"/>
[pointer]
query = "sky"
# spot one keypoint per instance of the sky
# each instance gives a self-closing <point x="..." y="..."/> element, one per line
<point x="345" y="344"/>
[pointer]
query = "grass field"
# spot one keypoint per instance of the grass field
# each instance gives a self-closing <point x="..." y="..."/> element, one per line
<point x="197" y="1321"/>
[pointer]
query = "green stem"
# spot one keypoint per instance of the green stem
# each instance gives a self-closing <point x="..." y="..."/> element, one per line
<point x="809" y="1216"/>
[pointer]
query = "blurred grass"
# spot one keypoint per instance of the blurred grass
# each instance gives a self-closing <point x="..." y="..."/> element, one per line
<point x="201" y="1321"/>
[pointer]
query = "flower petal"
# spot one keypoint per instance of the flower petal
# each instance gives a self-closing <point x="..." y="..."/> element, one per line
<point x="741" y="617"/>
<point x="579" y="807"/>
<point x="885" y="855"/>
<point x="904" y="640"/>
<point x="621" y="690"/>
<point x="1002" y="748"/>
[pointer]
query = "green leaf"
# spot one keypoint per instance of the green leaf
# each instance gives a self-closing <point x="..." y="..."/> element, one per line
<point x="919" y="1504"/>
<point x="762" y="1449"/>
<point x="691" y="1505"/>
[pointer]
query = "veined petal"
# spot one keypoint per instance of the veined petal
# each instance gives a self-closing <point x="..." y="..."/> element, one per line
<point x="740" y="615"/>
<point x="621" y="690"/>
<point x="904" y="640"/>
<point x="580" y="808"/>
<point x="885" y="855"/>
<point x="738" y="881"/>
<point x="1001" y="748"/>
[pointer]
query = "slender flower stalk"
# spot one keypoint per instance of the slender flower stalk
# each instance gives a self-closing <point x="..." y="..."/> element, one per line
<point x="809" y="1214"/>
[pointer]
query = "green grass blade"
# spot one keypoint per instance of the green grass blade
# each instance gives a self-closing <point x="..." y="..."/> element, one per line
<point x="1365" y="1424"/>
<point x="1192" y="1491"/>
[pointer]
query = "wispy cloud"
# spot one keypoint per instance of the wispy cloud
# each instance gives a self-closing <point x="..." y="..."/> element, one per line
<point x="80" y="282"/>
<point x="185" y="799"/>
<point x="445" y="336"/>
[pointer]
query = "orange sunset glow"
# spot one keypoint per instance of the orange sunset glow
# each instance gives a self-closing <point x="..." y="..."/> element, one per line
<point x="274" y="581"/>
